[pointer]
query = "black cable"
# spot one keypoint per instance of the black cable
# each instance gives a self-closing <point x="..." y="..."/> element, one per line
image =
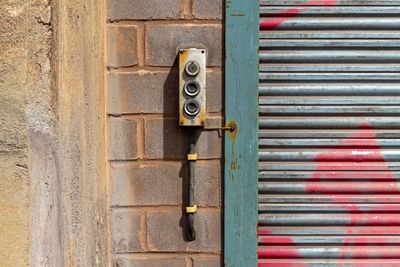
<point x="191" y="232"/>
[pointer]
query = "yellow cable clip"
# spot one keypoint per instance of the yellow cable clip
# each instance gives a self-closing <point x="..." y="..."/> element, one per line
<point x="192" y="157"/>
<point x="191" y="209"/>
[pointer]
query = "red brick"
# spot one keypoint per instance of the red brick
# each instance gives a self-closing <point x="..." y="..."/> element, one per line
<point x="149" y="261"/>
<point x="143" y="9"/>
<point x="165" y="140"/>
<point x="155" y="92"/>
<point x="123" y="139"/>
<point x="162" y="184"/>
<point x="165" y="232"/>
<point x="163" y="42"/>
<point x="126" y="228"/>
<point x="121" y="46"/>
<point x="208" y="9"/>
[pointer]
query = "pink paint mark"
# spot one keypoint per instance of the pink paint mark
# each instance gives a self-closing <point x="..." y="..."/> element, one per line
<point x="271" y="252"/>
<point x="343" y="195"/>
<point x="367" y="230"/>
<point x="357" y="174"/>
<point x="355" y="263"/>
<point x="272" y="23"/>
<point x="278" y="19"/>
<point x="354" y="159"/>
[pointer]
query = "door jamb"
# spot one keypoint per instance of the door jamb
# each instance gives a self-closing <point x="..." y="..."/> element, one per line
<point x="241" y="144"/>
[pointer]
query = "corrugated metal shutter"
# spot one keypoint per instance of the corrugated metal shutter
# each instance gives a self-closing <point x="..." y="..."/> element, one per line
<point x="329" y="157"/>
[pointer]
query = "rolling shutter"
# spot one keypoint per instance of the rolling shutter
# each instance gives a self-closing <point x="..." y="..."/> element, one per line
<point x="329" y="142"/>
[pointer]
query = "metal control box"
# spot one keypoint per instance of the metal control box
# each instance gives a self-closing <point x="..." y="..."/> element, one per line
<point x="192" y="87"/>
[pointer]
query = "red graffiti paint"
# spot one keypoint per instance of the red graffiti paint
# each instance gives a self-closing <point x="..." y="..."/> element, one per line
<point x="277" y="253"/>
<point x="357" y="158"/>
<point x="355" y="263"/>
<point x="278" y="19"/>
<point x="354" y="156"/>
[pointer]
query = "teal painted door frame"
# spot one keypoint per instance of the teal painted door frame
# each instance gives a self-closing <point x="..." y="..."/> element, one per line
<point x="241" y="145"/>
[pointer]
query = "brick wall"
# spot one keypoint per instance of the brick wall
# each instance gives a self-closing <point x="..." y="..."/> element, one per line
<point x="146" y="148"/>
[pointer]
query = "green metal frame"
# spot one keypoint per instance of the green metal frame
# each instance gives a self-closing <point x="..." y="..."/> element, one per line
<point x="241" y="145"/>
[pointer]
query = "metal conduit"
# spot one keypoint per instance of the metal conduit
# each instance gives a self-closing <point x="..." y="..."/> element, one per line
<point x="191" y="207"/>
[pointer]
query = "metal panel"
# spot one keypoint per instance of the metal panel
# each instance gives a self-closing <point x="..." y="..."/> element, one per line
<point x="241" y="164"/>
<point x="329" y="140"/>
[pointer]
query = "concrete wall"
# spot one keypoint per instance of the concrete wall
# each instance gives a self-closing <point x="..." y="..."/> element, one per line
<point x="14" y="177"/>
<point x="81" y="155"/>
<point x="52" y="146"/>
<point x="26" y="113"/>
<point x="146" y="148"/>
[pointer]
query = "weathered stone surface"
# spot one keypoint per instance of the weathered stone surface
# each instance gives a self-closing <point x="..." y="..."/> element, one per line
<point x="81" y="123"/>
<point x="26" y="111"/>
<point x="15" y="232"/>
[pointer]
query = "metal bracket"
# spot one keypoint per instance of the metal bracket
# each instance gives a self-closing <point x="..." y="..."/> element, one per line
<point x="192" y="157"/>
<point x="226" y="128"/>
<point x="192" y="209"/>
<point x="230" y="128"/>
